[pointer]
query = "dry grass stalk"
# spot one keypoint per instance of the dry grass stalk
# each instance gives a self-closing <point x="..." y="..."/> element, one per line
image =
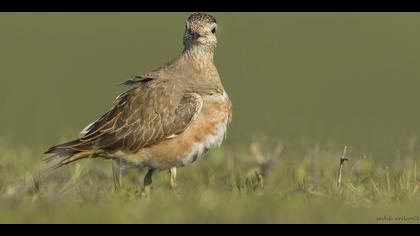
<point x="266" y="162"/>
<point x="343" y="159"/>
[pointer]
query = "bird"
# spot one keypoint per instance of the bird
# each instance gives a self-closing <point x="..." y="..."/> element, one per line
<point x="170" y="117"/>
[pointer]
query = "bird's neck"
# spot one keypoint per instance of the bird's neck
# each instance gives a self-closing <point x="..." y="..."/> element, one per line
<point x="204" y="72"/>
<point x="200" y="55"/>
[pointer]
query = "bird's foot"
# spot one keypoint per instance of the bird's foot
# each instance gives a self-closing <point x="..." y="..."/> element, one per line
<point x="172" y="176"/>
<point x="147" y="191"/>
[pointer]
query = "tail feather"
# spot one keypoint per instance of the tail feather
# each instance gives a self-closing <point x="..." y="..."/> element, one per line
<point x="64" y="154"/>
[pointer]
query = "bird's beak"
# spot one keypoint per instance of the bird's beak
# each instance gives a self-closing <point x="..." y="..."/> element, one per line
<point x="195" y="35"/>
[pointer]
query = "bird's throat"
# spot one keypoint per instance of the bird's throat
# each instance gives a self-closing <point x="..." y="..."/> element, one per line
<point x="200" y="54"/>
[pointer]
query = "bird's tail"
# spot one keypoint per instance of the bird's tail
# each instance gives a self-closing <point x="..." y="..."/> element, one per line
<point x="64" y="154"/>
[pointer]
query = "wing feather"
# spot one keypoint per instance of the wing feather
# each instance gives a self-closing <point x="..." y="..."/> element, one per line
<point x="143" y="116"/>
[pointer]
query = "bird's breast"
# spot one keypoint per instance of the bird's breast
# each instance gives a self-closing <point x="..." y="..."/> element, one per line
<point x="206" y="131"/>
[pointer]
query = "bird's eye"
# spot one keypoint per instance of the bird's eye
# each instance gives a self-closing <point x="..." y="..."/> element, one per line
<point x="213" y="30"/>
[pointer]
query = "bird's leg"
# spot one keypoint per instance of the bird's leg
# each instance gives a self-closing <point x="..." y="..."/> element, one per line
<point x="172" y="175"/>
<point x="117" y="174"/>
<point x="148" y="182"/>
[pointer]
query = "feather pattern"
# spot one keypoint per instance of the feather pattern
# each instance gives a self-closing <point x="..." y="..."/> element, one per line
<point x="141" y="117"/>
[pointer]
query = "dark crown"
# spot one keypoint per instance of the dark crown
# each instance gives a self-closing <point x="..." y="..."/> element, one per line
<point x="201" y="17"/>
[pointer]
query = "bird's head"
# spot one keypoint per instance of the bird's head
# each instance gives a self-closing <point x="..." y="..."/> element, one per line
<point x="200" y="30"/>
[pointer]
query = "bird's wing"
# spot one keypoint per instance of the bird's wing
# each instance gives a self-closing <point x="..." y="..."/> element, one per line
<point x="142" y="116"/>
<point x="138" y="79"/>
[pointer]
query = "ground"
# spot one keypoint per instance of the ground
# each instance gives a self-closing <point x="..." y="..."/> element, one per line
<point x="228" y="186"/>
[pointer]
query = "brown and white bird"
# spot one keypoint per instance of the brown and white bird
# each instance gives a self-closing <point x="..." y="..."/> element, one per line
<point x="171" y="118"/>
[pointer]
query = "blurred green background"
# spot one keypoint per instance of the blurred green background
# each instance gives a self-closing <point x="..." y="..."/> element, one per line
<point x="341" y="78"/>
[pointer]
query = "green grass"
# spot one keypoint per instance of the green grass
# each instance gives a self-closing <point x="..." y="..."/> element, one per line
<point x="225" y="187"/>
